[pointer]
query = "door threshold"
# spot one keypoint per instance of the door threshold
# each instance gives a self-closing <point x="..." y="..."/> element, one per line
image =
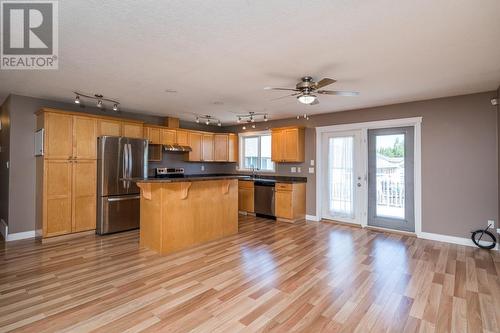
<point x="392" y="231"/>
<point x="355" y="225"/>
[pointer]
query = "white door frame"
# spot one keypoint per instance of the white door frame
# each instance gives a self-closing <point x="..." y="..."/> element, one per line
<point x="415" y="122"/>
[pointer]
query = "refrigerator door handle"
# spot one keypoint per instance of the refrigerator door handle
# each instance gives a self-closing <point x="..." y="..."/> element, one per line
<point x="125" y="165"/>
<point x="124" y="198"/>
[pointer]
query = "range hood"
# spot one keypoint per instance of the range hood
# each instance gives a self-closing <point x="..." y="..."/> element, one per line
<point x="176" y="148"/>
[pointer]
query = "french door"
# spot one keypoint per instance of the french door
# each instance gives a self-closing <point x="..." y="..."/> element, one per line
<point x="391" y="178"/>
<point x="344" y="177"/>
<point x="368" y="177"/>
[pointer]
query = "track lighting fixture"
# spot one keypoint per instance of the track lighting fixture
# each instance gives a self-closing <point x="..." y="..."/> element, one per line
<point x="251" y="117"/>
<point x="97" y="97"/>
<point x="208" y="120"/>
<point x="305" y="116"/>
<point x="244" y="127"/>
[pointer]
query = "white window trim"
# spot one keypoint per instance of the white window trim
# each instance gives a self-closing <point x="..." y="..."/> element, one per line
<point x="242" y="158"/>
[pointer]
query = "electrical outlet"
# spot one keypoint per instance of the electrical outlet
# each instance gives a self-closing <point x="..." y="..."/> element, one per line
<point x="293" y="169"/>
<point x="498" y="231"/>
<point x="312" y="162"/>
<point x="299" y="169"/>
<point x="202" y="167"/>
<point x="491" y="223"/>
<point x="311" y="170"/>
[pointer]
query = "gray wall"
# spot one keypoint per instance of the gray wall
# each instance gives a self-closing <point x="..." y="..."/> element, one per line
<point x="4" y="158"/>
<point x="459" y="157"/>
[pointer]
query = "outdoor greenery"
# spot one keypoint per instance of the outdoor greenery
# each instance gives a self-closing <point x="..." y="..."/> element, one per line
<point x="397" y="150"/>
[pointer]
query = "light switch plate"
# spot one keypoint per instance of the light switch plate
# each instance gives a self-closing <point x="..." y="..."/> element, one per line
<point x="202" y="168"/>
<point x="299" y="169"/>
<point x="293" y="169"/>
<point x="311" y="170"/>
<point x="312" y="162"/>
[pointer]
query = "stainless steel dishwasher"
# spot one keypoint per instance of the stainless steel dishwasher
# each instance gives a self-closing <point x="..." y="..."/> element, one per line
<point x="264" y="198"/>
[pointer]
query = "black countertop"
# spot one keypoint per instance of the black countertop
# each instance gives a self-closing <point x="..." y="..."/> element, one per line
<point x="204" y="177"/>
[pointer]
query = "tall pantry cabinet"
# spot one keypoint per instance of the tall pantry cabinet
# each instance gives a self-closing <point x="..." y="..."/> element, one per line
<point x="66" y="185"/>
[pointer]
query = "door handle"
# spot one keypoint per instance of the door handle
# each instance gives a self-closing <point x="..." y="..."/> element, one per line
<point x="124" y="198"/>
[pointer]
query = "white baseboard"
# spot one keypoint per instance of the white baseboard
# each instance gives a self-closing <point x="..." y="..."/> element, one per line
<point x="21" y="235"/>
<point x="448" y="239"/>
<point x="3" y="228"/>
<point x="312" y="218"/>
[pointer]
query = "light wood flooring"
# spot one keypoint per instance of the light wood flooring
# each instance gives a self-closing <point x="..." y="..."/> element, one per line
<point x="309" y="277"/>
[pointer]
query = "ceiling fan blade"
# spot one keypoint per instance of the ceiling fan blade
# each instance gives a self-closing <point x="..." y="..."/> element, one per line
<point x="271" y="88"/>
<point x="337" y="93"/>
<point x="324" y="82"/>
<point x="295" y="94"/>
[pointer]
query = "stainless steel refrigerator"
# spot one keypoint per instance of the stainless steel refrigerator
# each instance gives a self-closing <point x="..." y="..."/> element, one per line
<point x="118" y="159"/>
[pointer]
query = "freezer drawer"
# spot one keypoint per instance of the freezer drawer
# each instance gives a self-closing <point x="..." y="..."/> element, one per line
<point x="118" y="213"/>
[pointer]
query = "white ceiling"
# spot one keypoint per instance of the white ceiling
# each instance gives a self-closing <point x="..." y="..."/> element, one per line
<point x="227" y="50"/>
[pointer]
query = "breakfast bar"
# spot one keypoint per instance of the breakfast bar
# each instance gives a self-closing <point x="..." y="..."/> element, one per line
<point x="180" y="213"/>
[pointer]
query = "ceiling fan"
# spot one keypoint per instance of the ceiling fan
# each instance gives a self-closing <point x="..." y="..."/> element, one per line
<point x="307" y="89"/>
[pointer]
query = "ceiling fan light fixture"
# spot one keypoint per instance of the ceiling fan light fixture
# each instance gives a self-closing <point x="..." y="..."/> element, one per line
<point x="306" y="98"/>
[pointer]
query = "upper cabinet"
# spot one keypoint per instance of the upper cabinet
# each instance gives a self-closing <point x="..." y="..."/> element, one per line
<point x="152" y="134"/>
<point x="287" y="144"/>
<point x="84" y="137"/>
<point x="182" y="137"/>
<point x="108" y="127"/>
<point x="132" y="130"/>
<point x="69" y="136"/>
<point x="167" y="136"/>
<point x="195" y="142"/>
<point x="221" y="147"/>
<point x="208" y="147"/>
<point x="225" y="147"/>
<point x="58" y="143"/>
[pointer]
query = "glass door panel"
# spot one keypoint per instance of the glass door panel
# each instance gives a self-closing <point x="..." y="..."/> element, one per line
<point x="390" y="178"/>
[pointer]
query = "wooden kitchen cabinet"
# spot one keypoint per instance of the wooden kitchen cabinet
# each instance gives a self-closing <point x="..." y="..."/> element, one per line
<point x="167" y="136"/>
<point x="152" y="134"/>
<point x="288" y="144"/>
<point x="246" y="196"/>
<point x="208" y="147"/>
<point x="290" y="201"/>
<point x="132" y="130"/>
<point x="58" y="143"/>
<point x="182" y="138"/>
<point x="221" y="147"/>
<point x="225" y="147"/>
<point x="108" y="127"/>
<point x="195" y="142"/>
<point x="233" y="147"/>
<point x="56" y="207"/>
<point x="84" y="184"/>
<point x="69" y="137"/>
<point x="84" y="137"/>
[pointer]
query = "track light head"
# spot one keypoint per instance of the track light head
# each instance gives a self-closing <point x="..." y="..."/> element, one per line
<point x="197" y="120"/>
<point x="115" y="107"/>
<point x="77" y="99"/>
<point x="99" y="104"/>
<point x="265" y="117"/>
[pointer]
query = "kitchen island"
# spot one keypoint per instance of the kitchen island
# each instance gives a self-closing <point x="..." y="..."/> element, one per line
<point x="180" y="213"/>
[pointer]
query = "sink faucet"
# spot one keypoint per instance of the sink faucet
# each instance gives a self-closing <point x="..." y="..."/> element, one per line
<point x="253" y="171"/>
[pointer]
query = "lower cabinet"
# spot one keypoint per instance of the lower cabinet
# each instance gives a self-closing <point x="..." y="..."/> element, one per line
<point x="290" y="201"/>
<point x="246" y="196"/>
<point x="69" y="201"/>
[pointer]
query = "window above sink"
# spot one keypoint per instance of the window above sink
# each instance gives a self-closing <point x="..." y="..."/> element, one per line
<point x="255" y="152"/>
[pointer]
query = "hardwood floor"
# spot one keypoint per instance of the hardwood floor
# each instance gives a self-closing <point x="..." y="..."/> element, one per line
<point x="308" y="277"/>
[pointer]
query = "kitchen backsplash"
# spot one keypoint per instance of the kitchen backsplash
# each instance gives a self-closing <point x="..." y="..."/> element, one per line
<point x="177" y="160"/>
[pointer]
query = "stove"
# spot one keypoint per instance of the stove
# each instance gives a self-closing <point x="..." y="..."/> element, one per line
<point x="169" y="172"/>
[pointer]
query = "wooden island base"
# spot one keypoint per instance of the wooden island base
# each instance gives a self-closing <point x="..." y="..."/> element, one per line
<point x="179" y="215"/>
